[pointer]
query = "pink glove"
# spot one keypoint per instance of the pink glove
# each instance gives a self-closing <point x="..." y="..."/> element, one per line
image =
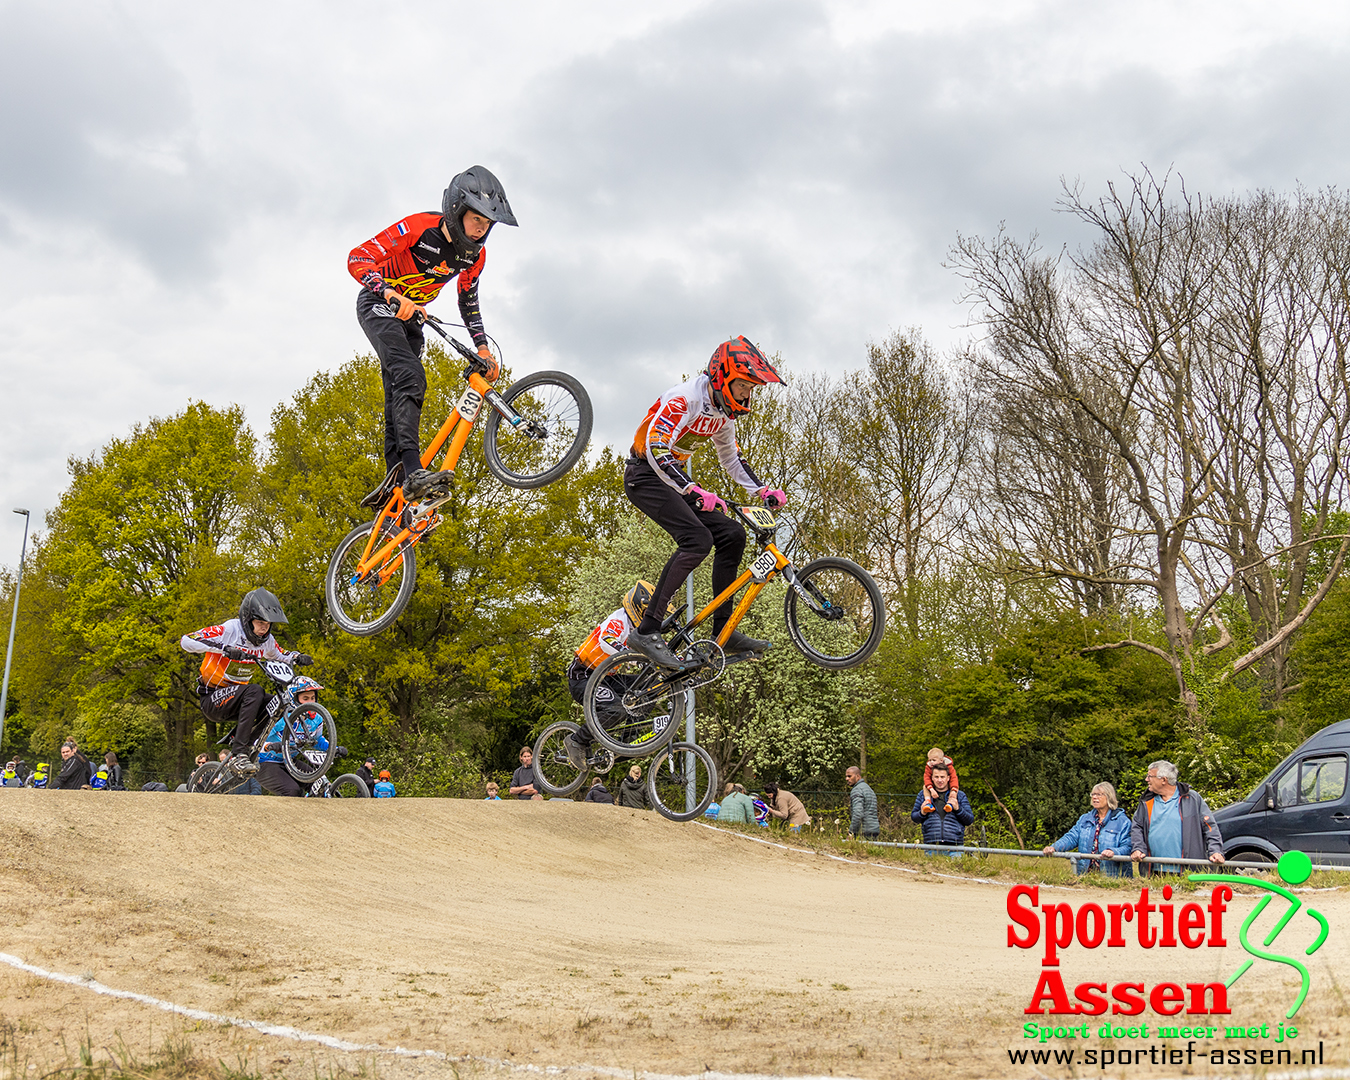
<point x="707" y="500"/>
<point x="773" y="498"/>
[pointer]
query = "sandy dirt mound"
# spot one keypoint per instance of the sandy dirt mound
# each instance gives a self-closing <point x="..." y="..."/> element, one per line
<point x="545" y="934"/>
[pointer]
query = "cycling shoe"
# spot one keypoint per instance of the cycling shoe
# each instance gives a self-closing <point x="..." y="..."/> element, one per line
<point x="655" y="649"/>
<point x="424" y="480"/>
<point x="743" y="643"/>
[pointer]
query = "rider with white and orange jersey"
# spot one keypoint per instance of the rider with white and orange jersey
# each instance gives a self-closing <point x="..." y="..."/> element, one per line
<point x="230" y="653"/>
<point x="656" y="480"/>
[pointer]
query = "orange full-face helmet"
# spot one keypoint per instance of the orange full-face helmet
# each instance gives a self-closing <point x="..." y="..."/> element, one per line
<point x="737" y="359"/>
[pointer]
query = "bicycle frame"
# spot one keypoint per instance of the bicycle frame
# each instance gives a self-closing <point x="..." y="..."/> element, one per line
<point x="757" y="575"/>
<point x="456" y="429"/>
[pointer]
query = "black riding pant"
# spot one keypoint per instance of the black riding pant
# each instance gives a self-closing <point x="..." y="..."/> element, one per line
<point x="275" y="779"/>
<point x="697" y="532"/>
<point x="238" y="704"/>
<point x="399" y="346"/>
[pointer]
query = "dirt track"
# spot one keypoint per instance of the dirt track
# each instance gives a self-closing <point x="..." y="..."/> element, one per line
<point x="547" y="934"/>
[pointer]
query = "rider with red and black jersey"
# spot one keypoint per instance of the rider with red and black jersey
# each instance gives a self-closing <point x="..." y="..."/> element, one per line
<point x="403" y="269"/>
<point x="656" y="480"/>
<point x="230" y="653"/>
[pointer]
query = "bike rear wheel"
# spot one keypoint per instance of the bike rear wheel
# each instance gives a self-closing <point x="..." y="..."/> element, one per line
<point x="201" y="777"/>
<point x="844" y="619"/>
<point x="555" y="428"/>
<point x="633" y="706"/>
<point x="305" y="726"/>
<point x="348" y="786"/>
<point x="364" y="606"/>
<point x="682" y="781"/>
<point x="554" y="774"/>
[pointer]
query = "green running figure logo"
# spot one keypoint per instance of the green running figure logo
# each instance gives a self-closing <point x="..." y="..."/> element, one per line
<point x="1294" y="868"/>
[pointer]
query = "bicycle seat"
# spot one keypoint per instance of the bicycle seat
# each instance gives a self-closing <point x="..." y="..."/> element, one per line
<point x="380" y="495"/>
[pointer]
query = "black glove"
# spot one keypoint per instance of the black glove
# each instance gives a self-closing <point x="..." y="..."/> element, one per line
<point x="341" y="752"/>
<point x="234" y="652"/>
<point x="302" y="660"/>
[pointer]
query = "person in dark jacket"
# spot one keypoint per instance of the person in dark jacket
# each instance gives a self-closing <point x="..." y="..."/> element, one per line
<point x="1173" y="821"/>
<point x="114" y="768"/>
<point x="940" y="825"/>
<point x="74" y="772"/>
<point x="1103" y="830"/>
<point x="367" y="773"/>
<point x="632" y="792"/>
<point x="862" y="806"/>
<point x="599" y="793"/>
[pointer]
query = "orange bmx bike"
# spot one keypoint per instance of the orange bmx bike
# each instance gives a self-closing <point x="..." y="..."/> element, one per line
<point x="534" y="433"/>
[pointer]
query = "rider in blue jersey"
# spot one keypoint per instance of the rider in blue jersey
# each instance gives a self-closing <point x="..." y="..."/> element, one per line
<point x="271" y="767"/>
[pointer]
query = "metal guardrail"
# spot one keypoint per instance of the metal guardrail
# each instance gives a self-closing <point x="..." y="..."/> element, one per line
<point x="942" y="849"/>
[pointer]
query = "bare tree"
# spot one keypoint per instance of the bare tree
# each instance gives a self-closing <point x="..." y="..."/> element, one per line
<point x="1180" y="390"/>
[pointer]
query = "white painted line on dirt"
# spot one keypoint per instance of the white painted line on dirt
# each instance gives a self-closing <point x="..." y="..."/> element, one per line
<point x="282" y="1031"/>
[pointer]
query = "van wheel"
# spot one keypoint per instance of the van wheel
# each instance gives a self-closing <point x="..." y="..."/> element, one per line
<point x="1253" y="857"/>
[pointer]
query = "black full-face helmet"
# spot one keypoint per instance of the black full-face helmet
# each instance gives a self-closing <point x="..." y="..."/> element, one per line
<point x="259" y="604"/>
<point x="475" y="189"/>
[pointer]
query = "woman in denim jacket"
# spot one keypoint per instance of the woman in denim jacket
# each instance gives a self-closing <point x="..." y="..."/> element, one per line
<point x="1103" y="830"/>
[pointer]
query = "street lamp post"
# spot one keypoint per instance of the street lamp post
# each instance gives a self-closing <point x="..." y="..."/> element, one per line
<point x="13" y="622"/>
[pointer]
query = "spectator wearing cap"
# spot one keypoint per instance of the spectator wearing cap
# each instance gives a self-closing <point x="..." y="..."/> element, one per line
<point x="384" y="787"/>
<point x="367" y="773"/>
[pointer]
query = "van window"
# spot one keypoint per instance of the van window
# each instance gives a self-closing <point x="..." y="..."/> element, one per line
<point x="1313" y="780"/>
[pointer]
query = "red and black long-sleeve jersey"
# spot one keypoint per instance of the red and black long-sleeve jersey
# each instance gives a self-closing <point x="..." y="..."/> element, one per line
<point x="414" y="257"/>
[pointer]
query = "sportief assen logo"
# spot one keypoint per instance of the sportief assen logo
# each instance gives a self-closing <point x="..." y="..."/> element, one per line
<point x="1165" y="925"/>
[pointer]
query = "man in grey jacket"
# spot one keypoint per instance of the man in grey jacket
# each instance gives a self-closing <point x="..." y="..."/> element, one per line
<point x="862" y="805"/>
<point x="1173" y="821"/>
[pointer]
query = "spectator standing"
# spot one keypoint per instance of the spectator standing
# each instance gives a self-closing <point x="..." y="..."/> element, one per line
<point x="367" y="773"/>
<point x="599" y="793"/>
<point x="74" y="772"/>
<point x="862" y="806"/>
<point x="1103" y="830"/>
<point x="522" y="780"/>
<point x="492" y="795"/>
<point x="941" y="825"/>
<point x="384" y="787"/>
<point x="1173" y="821"/>
<point x="737" y="807"/>
<point x="632" y="792"/>
<point x="785" y="806"/>
<point x="937" y="757"/>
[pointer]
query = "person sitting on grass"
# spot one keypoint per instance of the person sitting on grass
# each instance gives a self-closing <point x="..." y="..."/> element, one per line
<point x="737" y="808"/>
<point x="785" y="806"/>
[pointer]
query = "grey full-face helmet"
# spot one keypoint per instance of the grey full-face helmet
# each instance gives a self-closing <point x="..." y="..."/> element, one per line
<point x="475" y="189"/>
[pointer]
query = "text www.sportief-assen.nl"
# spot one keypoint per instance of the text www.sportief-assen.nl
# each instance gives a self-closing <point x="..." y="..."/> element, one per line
<point x="1102" y="1057"/>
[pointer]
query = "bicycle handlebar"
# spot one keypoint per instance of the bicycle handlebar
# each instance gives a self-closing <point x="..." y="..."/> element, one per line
<point x="469" y="354"/>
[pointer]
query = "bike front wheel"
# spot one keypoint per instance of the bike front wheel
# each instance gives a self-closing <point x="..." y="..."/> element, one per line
<point x="682" y="781"/>
<point x="348" y="786"/>
<point x="633" y="706"/>
<point x="366" y="605"/>
<point x="306" y="726"/>
<point x="554" y="429"/>
<point x="834" y="613"/>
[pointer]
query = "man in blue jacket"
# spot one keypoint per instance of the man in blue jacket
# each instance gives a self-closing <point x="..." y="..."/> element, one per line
<point x="940" y="825"/>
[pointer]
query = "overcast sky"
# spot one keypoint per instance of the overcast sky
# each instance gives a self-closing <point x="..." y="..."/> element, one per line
<point x="180" y="186"/>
